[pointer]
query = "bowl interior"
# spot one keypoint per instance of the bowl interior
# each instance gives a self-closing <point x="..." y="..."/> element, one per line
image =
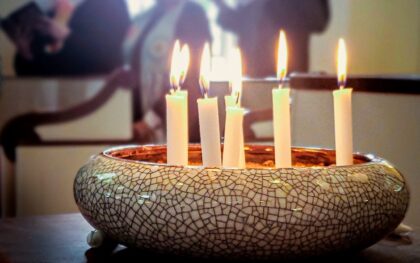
<point x="257" y="156"/>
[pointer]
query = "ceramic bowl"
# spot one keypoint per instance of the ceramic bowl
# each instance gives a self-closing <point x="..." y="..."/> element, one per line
<point x="314" y="208"/>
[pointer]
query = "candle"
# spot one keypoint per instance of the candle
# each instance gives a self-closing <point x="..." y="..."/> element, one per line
<point x="281" y="110"/>
<point x="230" y="101"/>
<point x="233" y="150"/>
<point x="177" y="108"/>
<point x="208" y="115"/>
<point x="343" y="112"/>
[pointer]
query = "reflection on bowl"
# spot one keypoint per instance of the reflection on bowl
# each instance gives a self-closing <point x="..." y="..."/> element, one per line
<point x="314" y="208"/>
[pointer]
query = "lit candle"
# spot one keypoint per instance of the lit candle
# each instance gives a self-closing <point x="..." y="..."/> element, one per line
<point x="232" y="100"/>
<point x="177" y="109"/>
<point x="179" y="68"/>
<point x="343" y="111"/>
<point x="233" y="150"/>
<point x="281" y="110"/>
<point x="208" y="115"/>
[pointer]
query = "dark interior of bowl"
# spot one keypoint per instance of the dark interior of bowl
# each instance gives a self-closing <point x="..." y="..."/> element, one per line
<point x="257" y="156"/>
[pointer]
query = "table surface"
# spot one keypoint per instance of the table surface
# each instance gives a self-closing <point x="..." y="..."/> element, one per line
<point x="62" y="238"/>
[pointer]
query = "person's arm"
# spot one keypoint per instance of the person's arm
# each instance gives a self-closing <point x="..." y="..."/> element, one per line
<point x="20" y="27"/>
<point x="30" y="22"/>
<point x="89" y="49"/>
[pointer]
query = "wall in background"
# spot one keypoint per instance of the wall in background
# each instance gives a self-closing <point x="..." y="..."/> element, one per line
<point x="383" y="37"/>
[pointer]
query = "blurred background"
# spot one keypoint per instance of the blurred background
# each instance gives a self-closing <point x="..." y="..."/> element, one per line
<point x="79" y="76"/>
<point x="382" y="36"/>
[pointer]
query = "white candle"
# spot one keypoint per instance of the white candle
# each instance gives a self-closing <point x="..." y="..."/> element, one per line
<point x="233" y="151"/>
<point x="176" y="130"/>
<point x="281" y="124"/>
<point x="177" y="109"/>
<point x="232" y="101"/>
<point x="281" y="110"/>
<point x="343" y="112"/>
<point x="208" y="115"/>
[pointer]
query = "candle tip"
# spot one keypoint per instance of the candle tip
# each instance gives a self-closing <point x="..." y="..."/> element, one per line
<point x="238" y="98"/>
<point x="235" y="62"/>
<point x="205" y="70"/>
<point x="341" y="63"/>
<point x="282" y="56"/>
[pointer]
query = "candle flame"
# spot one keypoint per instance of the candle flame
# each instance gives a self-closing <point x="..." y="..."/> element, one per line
<point x="205" y="69"/>
<point x="235" y="63"/>
<point x="341" y="64"/>
<point x="185" y="63"/>
<point x="179" y="65"/>
<point x="282" y="57"/>
<point x="174" y="66"/>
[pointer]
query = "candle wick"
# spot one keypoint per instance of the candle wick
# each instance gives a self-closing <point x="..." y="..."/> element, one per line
<point x="341" y="83"/>
<point x="237" y="98"/>
<point x="282" y="82"/>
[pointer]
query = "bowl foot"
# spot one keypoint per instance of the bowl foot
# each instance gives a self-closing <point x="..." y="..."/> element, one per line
<point x="98" y="239"/>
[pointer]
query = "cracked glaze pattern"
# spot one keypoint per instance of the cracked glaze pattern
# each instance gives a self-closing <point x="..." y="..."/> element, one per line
<point x="240" y="213"/>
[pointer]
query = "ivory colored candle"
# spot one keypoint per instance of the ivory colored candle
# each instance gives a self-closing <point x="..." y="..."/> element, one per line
<point x="343" y="111"/>
<point x="343" y="126"/>
<point x="208" y="114"/>
<point x="281" y="123"/>
<point x="233" y="151"/>
<point x="281" y="110"/>
<point x="230" y="101"/>
<point x="177" y="109"/>
<point x="177" y="129"/>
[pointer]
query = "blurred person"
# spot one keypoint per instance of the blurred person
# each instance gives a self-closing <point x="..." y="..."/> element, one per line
<point x="257" y="24"/>
<point x="68" y="37"/>
<point x="29" y="21"/>
<point x="148" y="48"/>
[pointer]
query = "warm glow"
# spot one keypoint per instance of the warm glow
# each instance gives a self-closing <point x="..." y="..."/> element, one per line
<point x="174" y="66"/>
<point x="235" y="63"/>
<point x="205" y="70"/>
<point x="184" y="62"/>
<point x="341" y="63"/>
<point x="282" y="57"/>
<point x="179" y="65"/>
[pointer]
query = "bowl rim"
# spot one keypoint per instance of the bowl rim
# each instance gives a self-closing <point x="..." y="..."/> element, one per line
<point x="372" y="158"/>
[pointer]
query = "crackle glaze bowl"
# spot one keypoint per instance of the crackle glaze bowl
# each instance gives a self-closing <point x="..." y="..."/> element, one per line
<point x="314" y="208"/>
